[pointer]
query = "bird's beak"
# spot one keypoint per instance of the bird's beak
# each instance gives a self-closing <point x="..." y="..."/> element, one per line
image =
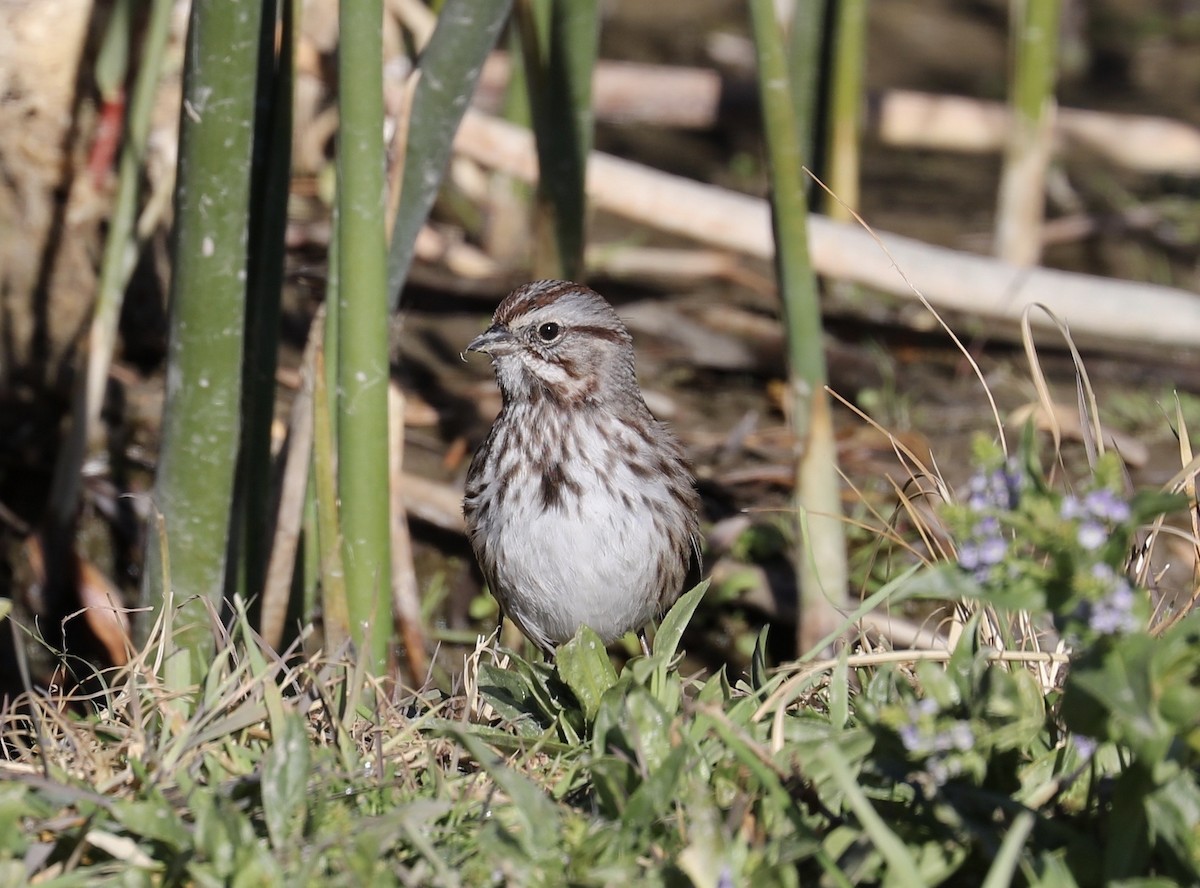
<point x="494" y="339"/>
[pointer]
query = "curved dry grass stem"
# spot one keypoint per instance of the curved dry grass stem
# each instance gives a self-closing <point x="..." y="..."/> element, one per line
<point x="928" y="307"/>
<point x="1088" y="406"/>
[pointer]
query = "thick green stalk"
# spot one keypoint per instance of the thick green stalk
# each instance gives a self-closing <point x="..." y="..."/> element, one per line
<point x="805" y="64"/>
<point x="1021" y="204"/>
<point x="845" y="106"/>
<point x="363" y="332"/>
<point x="821" y="557"/>
<point x="194" y="485"/>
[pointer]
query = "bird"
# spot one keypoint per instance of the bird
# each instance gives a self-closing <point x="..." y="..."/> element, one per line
<point x="580" y="506"/>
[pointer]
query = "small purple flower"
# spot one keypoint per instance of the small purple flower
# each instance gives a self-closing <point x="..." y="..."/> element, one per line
<point x="968" y="556"/>
<point x="913" y="740"/>
<point x="998" y="489"/>
<point x="1113" y="614"/>
<point x="988" y="526"/>
<point x="1106" y="506"/>
<point x="1085" y="746"/>
<point x="992" y="549"/>
<point x="1092" y="535"/>
<point x="984" y="548"/>
<point x="1071" y="508"/>
<point x="961" y="736"/>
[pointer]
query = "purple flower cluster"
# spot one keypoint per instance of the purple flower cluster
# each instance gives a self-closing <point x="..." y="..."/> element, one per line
<point x="1095" y="512"/>
<point x="1113" y="613"/>
<point x="923" y="737"/>
<point x="1084" y="745"/>
<point x="984" y="548"/>
<point x="997" y="489"/>
<point x="987" y="493"/>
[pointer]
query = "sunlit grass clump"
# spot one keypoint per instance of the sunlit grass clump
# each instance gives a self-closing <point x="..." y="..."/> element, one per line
<point x="1063" y="719"/>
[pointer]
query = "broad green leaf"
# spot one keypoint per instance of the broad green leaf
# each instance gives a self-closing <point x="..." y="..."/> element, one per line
<point x="654" y="798"/>
<point x="1173" y="816"/>
<point x="154" y="819"/>
<point x="584" y="665"/>
<point x="285" y="780"/>
<point x="670" y="630"/>
<point x="511" y="695"/>
<point x="632" y="721"/>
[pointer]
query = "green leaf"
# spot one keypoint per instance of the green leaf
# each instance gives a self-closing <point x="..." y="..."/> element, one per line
<point x="670" y="630"/>
<point x="1127" y="851"/>
<point x="632" y="721"/>
<point x="759" y="676"/>
<point x="1173" y="815"/>
<point x="902" y="868"/>
<point x="839" y="691"/>
<point x="1110" y="694"/>
<point x="584" y="665"/>
<point x="1004" y="867"/>
<point x="655" y="797"/>
<point x="511" y="694"/>
<point x="285" y="780"/>
<point x="153" y="819"/>
<point x="537" y="816"/>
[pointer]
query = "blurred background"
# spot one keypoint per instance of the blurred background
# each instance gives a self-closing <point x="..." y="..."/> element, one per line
<point x="675" y="92"/>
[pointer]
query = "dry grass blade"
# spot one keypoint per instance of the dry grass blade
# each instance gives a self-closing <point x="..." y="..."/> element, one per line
<point x="289" y="516"/>
<point x="406" y="600"/>
<point x="1093" y="436"/>
<point x="928" y="307"/>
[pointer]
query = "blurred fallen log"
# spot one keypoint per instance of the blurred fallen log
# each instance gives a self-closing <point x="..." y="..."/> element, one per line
<point x="908" y="119"/>
<point x="694" y="98"/>
<point x="1116" y="311"/>
<point x="632" y="92"/>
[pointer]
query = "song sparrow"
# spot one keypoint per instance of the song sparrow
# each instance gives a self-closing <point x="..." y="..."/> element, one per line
<point x="580" y="505"/>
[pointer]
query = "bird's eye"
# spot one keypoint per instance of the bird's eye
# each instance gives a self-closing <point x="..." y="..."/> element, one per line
<point x="548" y="332"/>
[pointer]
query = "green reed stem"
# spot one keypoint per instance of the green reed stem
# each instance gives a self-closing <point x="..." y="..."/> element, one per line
<point x="194" y="486"/>
<point x="268" y="222"/>
<point x="361" y="410"/>
<point x="821" y="558"/>
<point x="1021" y="205"/>
<point x="846" y="106"/>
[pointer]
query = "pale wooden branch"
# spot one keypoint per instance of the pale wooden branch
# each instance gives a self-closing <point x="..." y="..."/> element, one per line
<point x="1117" y="311"/>
<point x="691" y="98"/>
<point x="909" y="119"/>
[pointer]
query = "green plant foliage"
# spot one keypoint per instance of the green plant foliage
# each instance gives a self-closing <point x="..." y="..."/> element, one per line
<point x="945" y="768"/>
